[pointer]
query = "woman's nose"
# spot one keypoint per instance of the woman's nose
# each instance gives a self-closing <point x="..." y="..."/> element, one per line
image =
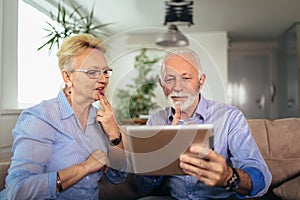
<point x="102" y="79"/>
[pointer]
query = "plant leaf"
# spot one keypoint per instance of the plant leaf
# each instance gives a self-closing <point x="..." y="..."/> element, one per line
<point x="69" y="23"/>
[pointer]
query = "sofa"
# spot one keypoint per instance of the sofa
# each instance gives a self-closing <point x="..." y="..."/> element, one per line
<point x="278" y="141"/>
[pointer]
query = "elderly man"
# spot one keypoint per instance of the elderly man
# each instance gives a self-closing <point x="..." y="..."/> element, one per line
<point x="235" y="167"/>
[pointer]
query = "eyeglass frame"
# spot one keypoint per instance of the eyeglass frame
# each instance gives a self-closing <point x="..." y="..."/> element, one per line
<point x="99" y="72"/>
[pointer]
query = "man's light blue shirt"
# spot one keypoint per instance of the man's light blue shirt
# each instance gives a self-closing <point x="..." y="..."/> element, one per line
<point x="47" y="138"/>
<point x="232" y="140"/>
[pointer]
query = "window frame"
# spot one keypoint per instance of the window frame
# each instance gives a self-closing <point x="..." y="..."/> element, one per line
<point x="9" y="49"/>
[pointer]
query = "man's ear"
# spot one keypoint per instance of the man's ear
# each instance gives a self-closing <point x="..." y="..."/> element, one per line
<point x="202" y="78"/>
<point x="160" y="83"/>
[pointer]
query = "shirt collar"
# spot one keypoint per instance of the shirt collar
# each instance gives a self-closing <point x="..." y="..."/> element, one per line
<point x="201" y="109"/>
<point x="65" y="108"/>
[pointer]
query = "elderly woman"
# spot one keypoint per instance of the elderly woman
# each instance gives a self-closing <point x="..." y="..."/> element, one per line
<point x="61" y="145"/>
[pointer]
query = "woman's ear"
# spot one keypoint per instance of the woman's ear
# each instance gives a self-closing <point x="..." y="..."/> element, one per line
<point x="66" y="78"/>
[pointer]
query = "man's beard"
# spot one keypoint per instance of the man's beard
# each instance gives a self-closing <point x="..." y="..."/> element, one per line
<point x="183" y="105"/>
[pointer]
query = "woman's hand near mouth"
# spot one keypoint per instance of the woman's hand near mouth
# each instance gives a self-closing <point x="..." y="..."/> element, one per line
<point x="106" y="117"/>
<point x="99" y="92"/>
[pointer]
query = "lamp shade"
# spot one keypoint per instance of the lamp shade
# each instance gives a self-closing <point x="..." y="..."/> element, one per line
<point x="172" y="38"/>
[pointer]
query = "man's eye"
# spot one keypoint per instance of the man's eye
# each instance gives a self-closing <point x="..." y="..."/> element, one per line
<point x="105" y="71"/>
<point x="169" y="79"/>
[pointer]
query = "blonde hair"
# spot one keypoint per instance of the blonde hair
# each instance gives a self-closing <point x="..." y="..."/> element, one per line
<point x="74" y="46"/>
<point x="186" y="53"/>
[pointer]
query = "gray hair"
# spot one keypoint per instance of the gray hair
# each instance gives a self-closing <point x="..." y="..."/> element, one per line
<point x="186" y="53"/>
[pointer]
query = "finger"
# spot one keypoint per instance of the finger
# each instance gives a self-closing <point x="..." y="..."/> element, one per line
<point x="97" y="95"/>
<point x="194" y="161"/>
<point x="100" y="112"/>
<point x="100" y="115"/>
<point x="105" y="115"/>
<point x="203" y="152"/>
<point x="177" y="115"/>
<point x="100" y="156"/>
<point x="201" y="177"/>
<point x="104" y="103"/>
<point x="178" y="110"/>
<point x="105" y="99"/>
<point x="194" y="170"/>
<point x="206" y="175"/>
<point x="106" y="168"/>
<point x="214" y="161"/>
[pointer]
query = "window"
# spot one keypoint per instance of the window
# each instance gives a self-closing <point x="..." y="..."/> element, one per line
<point x="38" y="72"/>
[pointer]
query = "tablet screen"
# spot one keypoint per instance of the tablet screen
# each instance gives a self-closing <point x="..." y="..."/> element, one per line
<point x="154" y="150"/>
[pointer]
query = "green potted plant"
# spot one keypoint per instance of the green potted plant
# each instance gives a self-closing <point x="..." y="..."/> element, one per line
<point x="137" y="98"/>
<point x="70" y="23"/>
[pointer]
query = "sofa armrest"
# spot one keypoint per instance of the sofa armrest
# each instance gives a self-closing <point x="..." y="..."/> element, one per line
<point x="3" y="173"/>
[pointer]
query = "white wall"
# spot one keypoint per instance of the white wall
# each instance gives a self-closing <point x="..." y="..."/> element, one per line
<point x="211" y="46"/>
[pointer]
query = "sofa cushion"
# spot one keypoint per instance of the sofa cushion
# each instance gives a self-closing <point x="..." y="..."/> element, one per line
<point x="289" y="189"/>
<point x="125" y="191"/>
<point x="3" y="173"/>
<point x="278" y="141"/>
<point x="259" y="132"/>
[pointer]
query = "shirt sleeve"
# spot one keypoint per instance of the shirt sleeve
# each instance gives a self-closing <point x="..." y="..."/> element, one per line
<point x="246" y="155"/>
<point x="257" y="179"/>
<point x="31" y="149"/>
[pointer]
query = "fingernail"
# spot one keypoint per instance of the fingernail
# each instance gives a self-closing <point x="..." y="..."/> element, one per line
<point x="181" y="165"/>
<point x="203" y="152"/>
<point x="101" y="92"/>
<point x="182" y="157"/>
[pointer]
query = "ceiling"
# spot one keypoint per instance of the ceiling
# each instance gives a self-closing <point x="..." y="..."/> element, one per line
<point x="244" y="20"/>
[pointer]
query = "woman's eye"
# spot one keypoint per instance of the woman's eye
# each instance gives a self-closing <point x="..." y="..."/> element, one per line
<point x="92" y="72"/>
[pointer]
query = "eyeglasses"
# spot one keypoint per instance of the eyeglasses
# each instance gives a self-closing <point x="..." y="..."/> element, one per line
<point x="95" y="73"/>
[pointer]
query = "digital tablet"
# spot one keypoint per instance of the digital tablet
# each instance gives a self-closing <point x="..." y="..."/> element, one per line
<point x="154" y="150"/>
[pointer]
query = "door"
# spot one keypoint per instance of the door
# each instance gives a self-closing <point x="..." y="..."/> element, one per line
<point x="249" y="86"/>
